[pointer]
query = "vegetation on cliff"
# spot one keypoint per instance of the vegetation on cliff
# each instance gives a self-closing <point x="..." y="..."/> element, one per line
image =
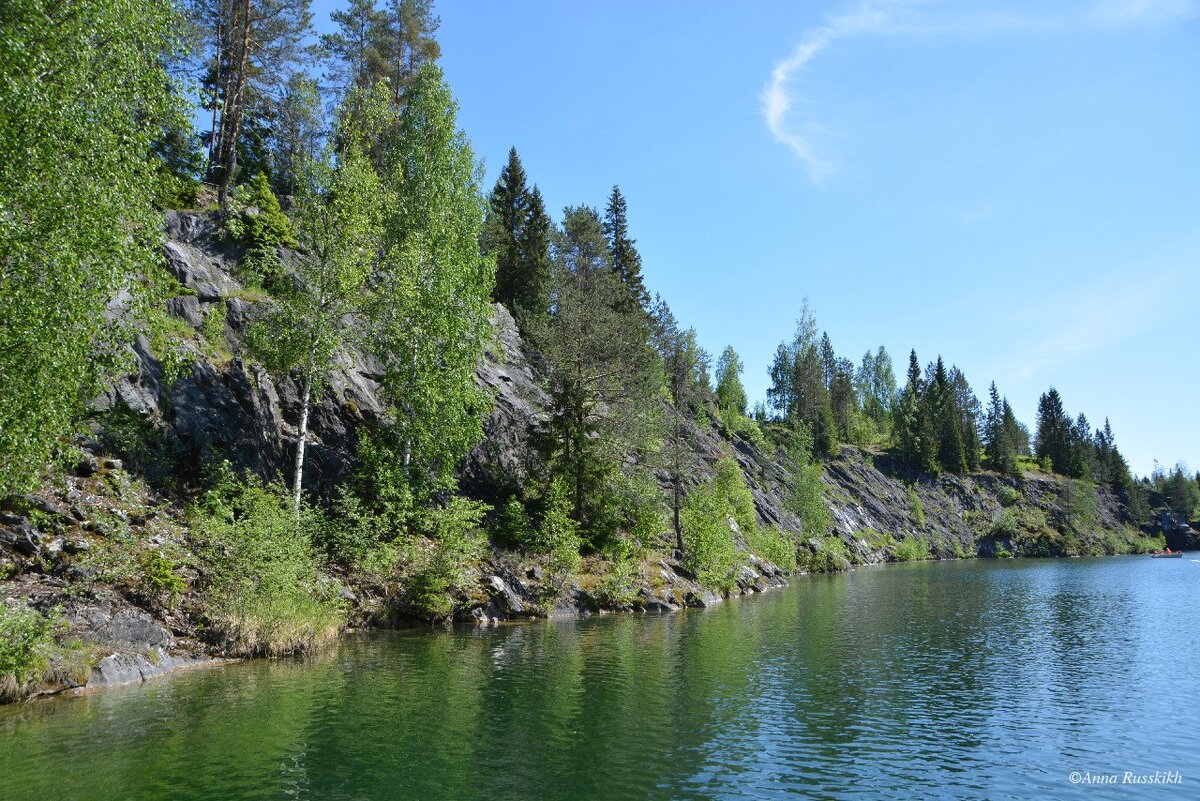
<point x="357" y="244"/>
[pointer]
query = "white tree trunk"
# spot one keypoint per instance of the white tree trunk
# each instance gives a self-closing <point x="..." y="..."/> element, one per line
<point x="298" y="474"/>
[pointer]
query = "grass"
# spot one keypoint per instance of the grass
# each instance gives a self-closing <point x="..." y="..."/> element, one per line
<point x="31" y="657"/>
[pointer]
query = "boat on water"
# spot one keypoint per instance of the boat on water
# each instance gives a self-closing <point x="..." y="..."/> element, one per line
<point x="1175" y="555"/>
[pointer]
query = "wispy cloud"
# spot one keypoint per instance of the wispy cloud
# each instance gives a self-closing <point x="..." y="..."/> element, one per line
<point x="776" y="100"/>
<point x="1124" y="13"/>
<point x="1078" y="324"/>
<point x="928" y="19"/>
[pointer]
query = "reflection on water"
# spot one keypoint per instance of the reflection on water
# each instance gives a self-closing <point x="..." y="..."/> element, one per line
<point x="974" y="679"/>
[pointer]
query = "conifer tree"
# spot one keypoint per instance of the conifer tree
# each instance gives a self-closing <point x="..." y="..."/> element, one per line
<point x="943" y="409"/>
<point x="626" y="261"/>
<point x="913" y="426"/>
<point x="517" y="234"/>
<point x="406" y="43"/>
<point x="605" y="379"/>
<point x="356" y="47"/>
<point x="970" y="413"/>
<point x="999" y="437"/>
<point x="1053" y="432"/>
<point x="252" y="46"/>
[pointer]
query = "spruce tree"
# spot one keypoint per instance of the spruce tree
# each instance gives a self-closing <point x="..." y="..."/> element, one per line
<point x="942" y="404"/>
<point x="626" y="261"/>
<point x="914" y="431"/>
<point x="999" y="435"/>
<point x="1053" y="432"/>
<point x="517" y="235"/>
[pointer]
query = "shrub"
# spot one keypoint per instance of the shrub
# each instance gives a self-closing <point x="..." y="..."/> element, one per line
<point x="1004" y="525"/>
<point x="441" y="568"/>
<point x="26" y="645"/>
<point x="917" y="507"/>
<point x="729" y="483"/>
<point x="910" y="549"/>
<point x="824" y="555"/>
<point x="709" y="550"/>
<point x="618" y="586"/>
<point x="265" y="594"/>
<point x="774" y="544"/>
<point x="1010" y="496"/>
<point x="260" y="225"/>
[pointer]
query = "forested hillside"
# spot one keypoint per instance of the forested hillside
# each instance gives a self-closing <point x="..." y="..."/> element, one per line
<point x="299" y="370"/>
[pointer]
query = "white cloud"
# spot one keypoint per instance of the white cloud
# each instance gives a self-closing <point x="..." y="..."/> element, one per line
<point x="929" y="19"/>
<point x="777" y="102"/>
<point x="1124" y="13"/>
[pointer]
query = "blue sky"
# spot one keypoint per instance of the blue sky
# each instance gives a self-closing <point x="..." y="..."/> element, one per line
<point x="1015" y="186"/>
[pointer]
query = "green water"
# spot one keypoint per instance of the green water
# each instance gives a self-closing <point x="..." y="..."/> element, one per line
<point x="955" y="680"/>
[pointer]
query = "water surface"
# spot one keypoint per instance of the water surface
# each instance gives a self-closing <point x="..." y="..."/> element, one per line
<point x="978" y="679"/>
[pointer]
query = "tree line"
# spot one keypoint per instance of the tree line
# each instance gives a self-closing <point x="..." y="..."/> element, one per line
<point x="365" y="174"/>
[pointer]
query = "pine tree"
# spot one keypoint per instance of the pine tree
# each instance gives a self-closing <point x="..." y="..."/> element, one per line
<point x="406" y="43"/>
<point x="828" y="360"/>
<point x="970" y="413"/>
<point x="355" y="48"/>
<point x="686" y="366"/>
<point x="626" y="261"/>
<point x="605" y="379"/>
<point x="252" y="46"/>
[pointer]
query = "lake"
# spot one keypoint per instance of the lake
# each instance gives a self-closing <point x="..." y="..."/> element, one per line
<point x="974" y="679"/>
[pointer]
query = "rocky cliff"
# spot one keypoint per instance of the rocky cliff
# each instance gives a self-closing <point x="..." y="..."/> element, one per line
<point x="88" y="543"/>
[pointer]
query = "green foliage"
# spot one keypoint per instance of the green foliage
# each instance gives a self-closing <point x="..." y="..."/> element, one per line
<point x="709" y="551"/>
<point x="265" y="594"/>
<point x="557" y="535"/>
<point x="141" y="444"/>
<point x="1081" y="514"/>
<point x="1010" y="496"/>
<point x="773" y="544"/>
<point x="27" y="640"/>
<point x="1004" y="525"/>
<point x="517" y="234"/>
<point x="731" y="395"/>
<point x="827" y="554"/>
<point x="910" y="549"/>
<point x="729" y="483"/>
<point x="157" y="577"/>
<point x="618" y="586"/>
<point x="85" y="96"/>
<point x="213" y="328"/>
<point x="916" y="507"/>
<point x="259" y="224"/>
<point x="430" y="315"/>
<point x="441" y="567"/>
<point x="605" y="381"/>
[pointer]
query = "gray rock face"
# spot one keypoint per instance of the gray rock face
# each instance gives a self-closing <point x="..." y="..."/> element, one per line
<point x="132" y="668"/>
